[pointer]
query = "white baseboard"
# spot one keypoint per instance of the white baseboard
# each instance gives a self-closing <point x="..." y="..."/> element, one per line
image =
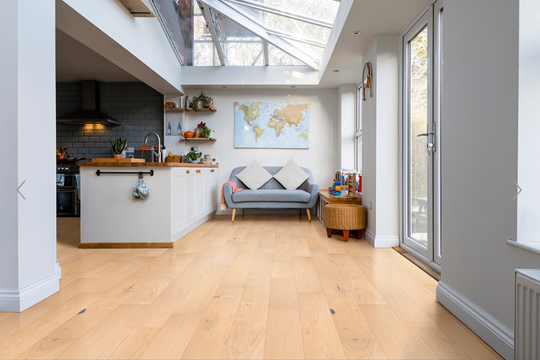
<point x="489" y="329"/>
<point x="58" y="271"/>
<point x="381" y="241"/>
<point x="192" y="227"/>
<point x="18" y="301"/>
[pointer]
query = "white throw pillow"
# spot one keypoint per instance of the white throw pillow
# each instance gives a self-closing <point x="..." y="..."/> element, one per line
<point x="254" y="175"/>
<point x="291" y="176"/>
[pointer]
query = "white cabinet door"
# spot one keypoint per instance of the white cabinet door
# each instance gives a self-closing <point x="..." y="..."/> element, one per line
<point x="201" y="193"/>
<point x="214" y="190"/>
<point x="179" y="214"/>
<point x="191" y="198"/>
<point x="207" y="191"/>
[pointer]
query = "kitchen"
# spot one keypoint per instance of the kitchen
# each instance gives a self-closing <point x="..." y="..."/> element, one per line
<point x="132" y="111"/>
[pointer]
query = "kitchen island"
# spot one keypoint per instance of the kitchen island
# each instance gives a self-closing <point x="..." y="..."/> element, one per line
<point x="182" y="197"/>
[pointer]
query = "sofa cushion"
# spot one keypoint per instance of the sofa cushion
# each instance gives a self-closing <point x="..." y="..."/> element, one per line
<point x="254" y="175"/>
<point x="272" y="196"/>
<point x="291" y="176"/>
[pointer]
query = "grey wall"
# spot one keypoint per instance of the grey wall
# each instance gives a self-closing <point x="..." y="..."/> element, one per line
<point x="136" y="105"/>
<point x="479" y="161"/>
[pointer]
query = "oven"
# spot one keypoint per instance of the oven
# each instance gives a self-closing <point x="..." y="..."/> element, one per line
<point x="67" y="200"/>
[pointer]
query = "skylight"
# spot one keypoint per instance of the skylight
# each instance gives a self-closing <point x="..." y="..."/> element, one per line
<point x="248" y="32"/>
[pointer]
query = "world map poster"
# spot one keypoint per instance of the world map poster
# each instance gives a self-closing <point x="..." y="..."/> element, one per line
<point x="275" y="125"/>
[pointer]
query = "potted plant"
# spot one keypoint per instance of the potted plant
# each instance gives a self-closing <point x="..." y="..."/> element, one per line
<point x="118" y="146"/>
<point x="194" y="156"/>
<point x="205" y="130"/>
<point x="201" y="101"/>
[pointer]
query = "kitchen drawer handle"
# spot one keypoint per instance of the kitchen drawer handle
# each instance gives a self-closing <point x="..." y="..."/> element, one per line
<point x="198" y="171"/>
<point x="187" y="171"/>
<point x="212" y="170"/>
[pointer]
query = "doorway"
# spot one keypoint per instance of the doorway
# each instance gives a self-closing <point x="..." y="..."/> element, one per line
<point x="421" y="137"/>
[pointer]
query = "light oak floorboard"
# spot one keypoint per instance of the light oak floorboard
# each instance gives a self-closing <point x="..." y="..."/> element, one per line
<point x="321" y="339"/>
<point x="270" y="287"/>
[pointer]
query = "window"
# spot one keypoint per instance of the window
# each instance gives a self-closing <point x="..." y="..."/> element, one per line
<point x="358" y="129"/>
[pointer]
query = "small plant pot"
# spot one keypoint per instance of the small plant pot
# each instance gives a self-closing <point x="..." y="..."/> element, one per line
<point x="117" y="156"/>
<point x="194" y="161"/>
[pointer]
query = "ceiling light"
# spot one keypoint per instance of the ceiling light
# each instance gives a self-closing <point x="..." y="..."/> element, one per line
<point x="336" y="70"/>
<point x="356" y="32"/>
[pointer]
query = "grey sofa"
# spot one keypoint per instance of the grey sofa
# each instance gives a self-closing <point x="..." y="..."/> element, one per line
<point x="272" y="194"/>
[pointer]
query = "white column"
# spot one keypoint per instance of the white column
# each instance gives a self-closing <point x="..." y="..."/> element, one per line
<point x="28" y="269"/>
<point x="380" y="152"/>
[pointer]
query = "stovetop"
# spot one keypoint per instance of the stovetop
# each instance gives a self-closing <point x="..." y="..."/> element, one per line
<point x="67" y="169"/>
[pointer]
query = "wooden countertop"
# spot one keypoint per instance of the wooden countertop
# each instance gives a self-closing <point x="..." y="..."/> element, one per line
<point x="141" y="164"/>
<point x="345" y="198"/>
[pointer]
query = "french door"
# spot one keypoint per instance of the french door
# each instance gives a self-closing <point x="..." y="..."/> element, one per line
<point x="420" y="130"/>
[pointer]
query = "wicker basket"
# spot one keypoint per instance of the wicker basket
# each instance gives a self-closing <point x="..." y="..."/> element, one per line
<point x="344" y="217"/>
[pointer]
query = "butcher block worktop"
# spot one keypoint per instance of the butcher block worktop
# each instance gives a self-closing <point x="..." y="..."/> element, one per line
<point x="140" y="164"/>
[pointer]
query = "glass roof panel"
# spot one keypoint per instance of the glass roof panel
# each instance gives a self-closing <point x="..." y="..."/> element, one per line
<point x="285" y="24"/>
<point x="279" y="57"/>
<point x="177" y="18"/>
<point x="299" y="27"/>
<point x="239" y="46"/>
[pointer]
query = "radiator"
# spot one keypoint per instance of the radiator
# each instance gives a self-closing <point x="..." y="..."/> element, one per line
<point x="527" y="315"/>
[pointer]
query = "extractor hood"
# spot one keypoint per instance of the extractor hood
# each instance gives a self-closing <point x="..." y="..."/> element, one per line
<point x="91" y="113"/>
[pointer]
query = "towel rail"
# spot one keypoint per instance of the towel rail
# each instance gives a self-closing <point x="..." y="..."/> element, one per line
<point x="140" y="173"/>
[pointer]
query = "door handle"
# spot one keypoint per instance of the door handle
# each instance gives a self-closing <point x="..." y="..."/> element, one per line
<point x="212" y="170"/>
<point x="198" y="171"/>
<point x="187" y="171"/>
<point x="426" y="134"/>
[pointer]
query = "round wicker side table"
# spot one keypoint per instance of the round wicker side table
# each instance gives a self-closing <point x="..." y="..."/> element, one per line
<point x="345" y="217"/>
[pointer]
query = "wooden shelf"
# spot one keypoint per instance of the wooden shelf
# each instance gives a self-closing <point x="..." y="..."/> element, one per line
<point x="198" y="139"/>
<point x="188" y="110"/>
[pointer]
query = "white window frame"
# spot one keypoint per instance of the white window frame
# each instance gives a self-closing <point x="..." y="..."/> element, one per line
<point x="357" y="125"/>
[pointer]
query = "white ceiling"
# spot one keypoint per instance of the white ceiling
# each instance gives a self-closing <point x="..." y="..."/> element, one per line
<point x="371" y="17"/>
<point x="77" y="62"/>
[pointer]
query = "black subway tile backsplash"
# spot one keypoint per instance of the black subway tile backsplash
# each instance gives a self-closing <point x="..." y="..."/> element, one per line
<point x="136" y="105"/>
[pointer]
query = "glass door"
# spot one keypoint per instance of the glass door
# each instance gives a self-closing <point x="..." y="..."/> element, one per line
<point x="421" y="166"/>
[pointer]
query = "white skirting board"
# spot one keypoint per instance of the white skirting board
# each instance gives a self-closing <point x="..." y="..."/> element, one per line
<point x="192" y="227"/>
<point x="489" y="329"/>
<point x="18" y="301"/>
<point x="381" y="241"/>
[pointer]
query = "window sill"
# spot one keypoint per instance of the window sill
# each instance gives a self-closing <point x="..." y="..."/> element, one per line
<point x="532" y="246"/>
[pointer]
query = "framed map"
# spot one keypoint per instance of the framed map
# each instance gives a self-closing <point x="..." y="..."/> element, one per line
<point x="271" y="125"/>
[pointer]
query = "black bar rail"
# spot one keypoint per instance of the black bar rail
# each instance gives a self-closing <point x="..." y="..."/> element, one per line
<point x="140" y="173"/>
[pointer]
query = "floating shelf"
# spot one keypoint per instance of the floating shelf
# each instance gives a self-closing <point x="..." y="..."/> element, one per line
<point x="188" y="109"/>
<point x="198" y="139"/>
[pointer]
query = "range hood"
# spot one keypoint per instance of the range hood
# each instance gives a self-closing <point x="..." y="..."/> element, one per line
<point x="91" y="113"/>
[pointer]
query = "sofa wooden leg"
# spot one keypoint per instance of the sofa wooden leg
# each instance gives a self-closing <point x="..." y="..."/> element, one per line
<point x="361" y="233"/>
<point x="346" y="235"/>
<point x="299" y="212"/>
<point x="233" y="214"/>
<point x="329" y="232"/>
<point x="308" y="214"/>
<point x="243" y="212"/>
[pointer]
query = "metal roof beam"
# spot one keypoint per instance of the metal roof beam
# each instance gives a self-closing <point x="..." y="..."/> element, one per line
<point x="252" y="25"/>
<point x="266" y="57"/>
<point x="284" y="13"/>
<point x="210" y="24"/>
<point x="301" y="39"/>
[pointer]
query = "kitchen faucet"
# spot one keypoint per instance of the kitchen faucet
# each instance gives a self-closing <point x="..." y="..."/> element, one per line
<point x="158" y="152"/>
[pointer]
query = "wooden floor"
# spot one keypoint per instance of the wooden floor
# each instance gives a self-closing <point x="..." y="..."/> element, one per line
<point x="272" y="287"/>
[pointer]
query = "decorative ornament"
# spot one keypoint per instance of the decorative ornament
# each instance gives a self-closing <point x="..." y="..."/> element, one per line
<point x="367" y="83"/>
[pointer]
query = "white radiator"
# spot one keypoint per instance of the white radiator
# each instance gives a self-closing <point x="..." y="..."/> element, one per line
<point x="527" y="315"/>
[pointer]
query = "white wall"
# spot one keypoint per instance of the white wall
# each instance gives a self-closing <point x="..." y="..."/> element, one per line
<point x="528" y="227"/>
<point x="369" y="146"/>
<point x="321" y="157"/>
<point x="479" y="164"/>
<point x="347" y="120"/>
<point x="28" y="269"/>
<point x="380" y="152"/>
